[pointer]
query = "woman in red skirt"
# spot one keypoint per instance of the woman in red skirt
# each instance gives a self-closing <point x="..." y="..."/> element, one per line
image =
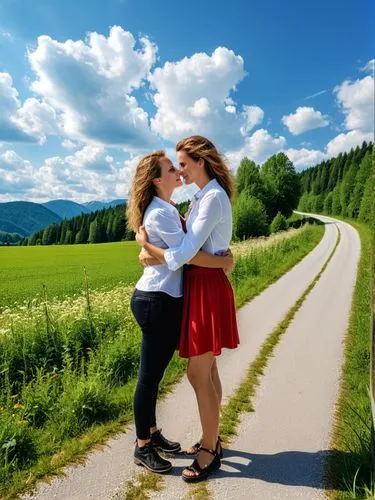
<point x="209" y="316"/>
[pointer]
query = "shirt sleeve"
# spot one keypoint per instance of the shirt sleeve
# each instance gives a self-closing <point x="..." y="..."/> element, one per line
<point x="167" y="227"/>
<point x="209" y="214"/>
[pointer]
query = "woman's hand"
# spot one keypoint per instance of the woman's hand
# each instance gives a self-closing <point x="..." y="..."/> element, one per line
<point x="146" y="259"/>
<point x="141" y="236"/>
<point x="228" y="254"/>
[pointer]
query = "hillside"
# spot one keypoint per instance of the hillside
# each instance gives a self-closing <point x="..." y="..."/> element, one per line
<point x="24" y="217"/>
<point x="66" y="209"/>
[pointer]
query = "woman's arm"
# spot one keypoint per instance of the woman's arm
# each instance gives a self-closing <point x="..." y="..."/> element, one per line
<point x="176" y="256"/>
<point x="202" y="259"/>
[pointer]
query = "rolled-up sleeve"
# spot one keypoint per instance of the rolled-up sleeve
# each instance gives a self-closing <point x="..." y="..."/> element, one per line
<point x="209" y="214"/>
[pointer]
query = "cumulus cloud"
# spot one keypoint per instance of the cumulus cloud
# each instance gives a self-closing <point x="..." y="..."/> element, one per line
<point x="192" y="96"/>
<point x="16" y="176"/>
<point x="304" y="118"/>
<point x="346" y="141"/>
<point x="11" y="129"/>
<point x="88" y="174"/>
<point x="253" y="116"/>
<point x="303" y="158"/>
<point x="89" y="85"/>
<point x="356" y="100"/>
<point x="258" y="147"/>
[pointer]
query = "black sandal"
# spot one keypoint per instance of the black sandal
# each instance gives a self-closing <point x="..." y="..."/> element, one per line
<point x="199" y="473"/>
<point x="197" y="446"/>
<point x="219" y="447"/>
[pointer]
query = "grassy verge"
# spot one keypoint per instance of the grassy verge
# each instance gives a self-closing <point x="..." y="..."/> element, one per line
<point x="256" y="270"/>
<point x="349" y="466"/>
<point x="68" y="370"/>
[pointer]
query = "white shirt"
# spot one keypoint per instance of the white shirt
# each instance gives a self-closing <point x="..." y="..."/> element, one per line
<point x="209" y="226"/>
<point x="163" y="226"/>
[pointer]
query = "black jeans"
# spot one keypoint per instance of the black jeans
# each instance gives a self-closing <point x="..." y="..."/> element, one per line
<point x="159" y="317"/>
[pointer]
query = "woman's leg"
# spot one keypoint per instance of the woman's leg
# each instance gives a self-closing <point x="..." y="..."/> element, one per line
<point x="170" y="314"/>
<point x="217" y="384"/>
<point x="200" y="376"/>
<point x="216" y="381"/>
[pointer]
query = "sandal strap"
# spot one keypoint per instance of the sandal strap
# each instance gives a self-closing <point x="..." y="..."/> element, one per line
<point x="212" y="452"/>
<point x="194" y="467"/>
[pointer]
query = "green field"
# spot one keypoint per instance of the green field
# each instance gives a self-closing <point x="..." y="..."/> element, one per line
<point x="24" y="270"/>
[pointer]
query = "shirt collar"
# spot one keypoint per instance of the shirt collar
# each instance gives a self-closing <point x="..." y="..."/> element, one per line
<point x="207" y="187"/>
<point x="164" y="203"/>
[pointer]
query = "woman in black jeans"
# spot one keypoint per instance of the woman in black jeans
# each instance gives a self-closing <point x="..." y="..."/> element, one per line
<point x="157" y="300"/>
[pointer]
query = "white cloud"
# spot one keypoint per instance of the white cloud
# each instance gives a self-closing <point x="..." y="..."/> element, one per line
<point x="303" y="158"/>
<point x="304" y="118"/>
<point x="253" y="116"/>
<point x="16" y="176"/>
<point x="68" y="144"/>
<point x="356" y="100"/>
<point x="11" y="129"/>
<point x="370" y="66"/>
<point x="192" y="96"/>
<point x="258" y="147"/>
<point x="200" y="109"/>
<point x="36" y="118"/>
<point x="346" y="141"/>
<point x="89" y="85"/>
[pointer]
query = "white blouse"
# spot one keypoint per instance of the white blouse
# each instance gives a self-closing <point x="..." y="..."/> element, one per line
<point x="163" y="226"/>
<point x="209" y="226"/>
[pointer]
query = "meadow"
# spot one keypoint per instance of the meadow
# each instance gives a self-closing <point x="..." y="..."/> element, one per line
<point x="60" y="268"/>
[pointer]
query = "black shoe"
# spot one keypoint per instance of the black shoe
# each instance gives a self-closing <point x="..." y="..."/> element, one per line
<point x="162" y="444"/>
<point x="200" y="474"/>
<point x="150" y="458"/>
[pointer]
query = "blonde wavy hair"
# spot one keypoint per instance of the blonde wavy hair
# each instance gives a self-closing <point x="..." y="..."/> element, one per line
<point x="143" y="189"/>
<point x="198" y="147"/>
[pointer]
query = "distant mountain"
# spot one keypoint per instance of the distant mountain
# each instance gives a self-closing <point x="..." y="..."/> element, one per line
<point x="24" y="217"/>
<point x="66" y="209"/>
<point x="99" y="205"/>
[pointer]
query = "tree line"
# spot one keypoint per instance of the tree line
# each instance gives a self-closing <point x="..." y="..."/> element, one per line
<point x="106" y="225"/>
<point x="344" y="185"/>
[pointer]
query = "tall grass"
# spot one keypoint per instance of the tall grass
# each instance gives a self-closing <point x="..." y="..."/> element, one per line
<point x="68" y="366"/>
<point x="350" y="465"/>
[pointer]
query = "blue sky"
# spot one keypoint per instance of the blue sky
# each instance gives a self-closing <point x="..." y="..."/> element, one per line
<point x="88" y="87"/>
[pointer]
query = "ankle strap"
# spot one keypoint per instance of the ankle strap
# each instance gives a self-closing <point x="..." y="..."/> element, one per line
<point x="212" y="452"/>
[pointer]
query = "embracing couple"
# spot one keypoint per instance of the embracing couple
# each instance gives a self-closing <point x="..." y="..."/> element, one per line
<point x="184" y="299"/>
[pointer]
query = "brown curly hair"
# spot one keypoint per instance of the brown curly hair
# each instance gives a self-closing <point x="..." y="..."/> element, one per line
<point x="198" y="147"/>
<point x="143" y="189"/>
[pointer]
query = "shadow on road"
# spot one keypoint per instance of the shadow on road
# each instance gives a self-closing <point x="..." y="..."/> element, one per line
<point x="292" y="468"/>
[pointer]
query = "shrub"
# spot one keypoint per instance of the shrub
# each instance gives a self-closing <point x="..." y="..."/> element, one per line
<point x="279" y="223"/>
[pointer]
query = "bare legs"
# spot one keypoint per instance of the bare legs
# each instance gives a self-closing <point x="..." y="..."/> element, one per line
<point x="204" y="377"/>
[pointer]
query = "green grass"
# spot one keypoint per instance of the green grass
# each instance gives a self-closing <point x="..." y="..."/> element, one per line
<point x="350" y="464"/>
<point x="24" y="270"/>
<point x="258" y="269"/>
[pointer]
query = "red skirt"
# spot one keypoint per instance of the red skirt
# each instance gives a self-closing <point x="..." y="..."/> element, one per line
<point x="209" y="314"/>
